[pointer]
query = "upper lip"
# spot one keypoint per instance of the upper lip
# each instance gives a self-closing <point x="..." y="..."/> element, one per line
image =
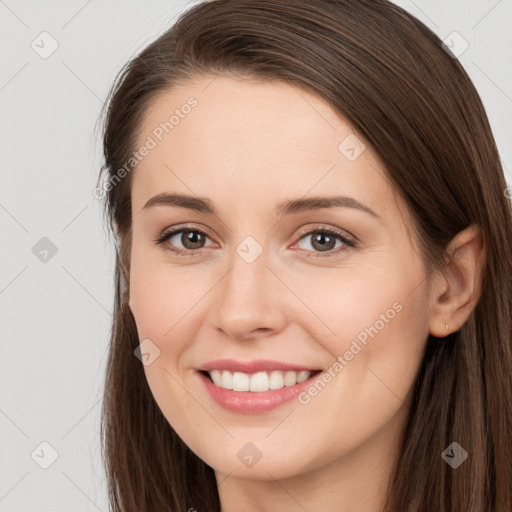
<point x="255" y="366"/>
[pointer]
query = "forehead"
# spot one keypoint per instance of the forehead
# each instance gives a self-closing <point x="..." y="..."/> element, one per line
<point x="236" y="140"/>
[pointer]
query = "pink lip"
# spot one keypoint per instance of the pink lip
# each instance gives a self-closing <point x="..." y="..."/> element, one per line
<point x="259" y="365"/>
<point x="252" y="402"/>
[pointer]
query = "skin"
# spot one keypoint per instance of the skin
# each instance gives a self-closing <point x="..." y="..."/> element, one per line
<point x="248" y="146"/>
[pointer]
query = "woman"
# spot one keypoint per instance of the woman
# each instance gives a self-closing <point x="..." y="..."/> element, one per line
<point x="314" y="268"/>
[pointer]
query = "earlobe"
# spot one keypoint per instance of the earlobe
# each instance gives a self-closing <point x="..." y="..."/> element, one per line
<point x="460" y="287"/>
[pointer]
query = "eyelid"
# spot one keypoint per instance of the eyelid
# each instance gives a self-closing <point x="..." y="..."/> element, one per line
<point x="183" y="227"/>
<point x="322" y="227"/>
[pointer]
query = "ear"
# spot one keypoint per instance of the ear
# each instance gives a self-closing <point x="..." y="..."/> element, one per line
<point x="457" y="289"/>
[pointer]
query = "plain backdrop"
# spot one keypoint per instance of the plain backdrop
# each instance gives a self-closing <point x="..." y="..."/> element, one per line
<point x="56" y="264"/>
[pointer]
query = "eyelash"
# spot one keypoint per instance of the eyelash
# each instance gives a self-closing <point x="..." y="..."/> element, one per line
<point x="346" y="239"/>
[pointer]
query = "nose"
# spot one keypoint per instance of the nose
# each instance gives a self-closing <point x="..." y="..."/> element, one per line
<point x="249" y="300"/>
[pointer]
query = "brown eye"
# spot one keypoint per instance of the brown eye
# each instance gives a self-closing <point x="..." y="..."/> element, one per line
<point x="323" y="240"/>
<point x="192" y="240"/>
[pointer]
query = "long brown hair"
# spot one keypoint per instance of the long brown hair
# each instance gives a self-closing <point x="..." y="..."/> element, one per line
<point x="413" y="102"/>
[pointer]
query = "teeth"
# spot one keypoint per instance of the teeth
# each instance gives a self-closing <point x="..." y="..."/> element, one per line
<point x="290" y="378"/>
<point x="276" y="380"/>
<point x="257" y="382"/>
<point x="216" y="377"/>
<point x="227" y="380"/>
<point x="240" y="381"/>
<point x="303" y="375"/>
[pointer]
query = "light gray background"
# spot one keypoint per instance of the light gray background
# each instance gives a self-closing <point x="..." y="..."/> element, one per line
<point x="55" y="315"/>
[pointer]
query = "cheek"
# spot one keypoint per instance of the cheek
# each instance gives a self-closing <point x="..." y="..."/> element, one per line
<point x="381" y="350"/>
<point x="162" y="302"/>
<point x="156" y="292"/>
<point x="339" y="305"/>
<point x="166" y="302"/>
<point x="374" y="328"/>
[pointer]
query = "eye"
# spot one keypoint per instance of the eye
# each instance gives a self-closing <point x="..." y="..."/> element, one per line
<point x="191" y="238"/>
<point x="323" y="240"/>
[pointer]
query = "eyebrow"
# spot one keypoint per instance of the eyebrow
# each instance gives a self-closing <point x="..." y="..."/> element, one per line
<point x="204" y="205"/>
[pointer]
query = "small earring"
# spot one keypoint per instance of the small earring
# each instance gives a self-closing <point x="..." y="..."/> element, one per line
<point x="446" y="325"/>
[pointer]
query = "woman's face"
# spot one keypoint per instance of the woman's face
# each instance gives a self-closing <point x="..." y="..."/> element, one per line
<point x="260" y="281"/>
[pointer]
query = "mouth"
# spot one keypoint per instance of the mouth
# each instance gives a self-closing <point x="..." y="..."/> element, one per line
<point x="258" y="382"/>
<point x="255" y="393"/>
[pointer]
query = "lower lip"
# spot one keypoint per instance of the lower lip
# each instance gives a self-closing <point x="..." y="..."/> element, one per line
<point x="253" y="402"/>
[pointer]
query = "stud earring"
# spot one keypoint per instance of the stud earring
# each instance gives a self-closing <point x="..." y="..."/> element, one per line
<point x="446" y="325"/>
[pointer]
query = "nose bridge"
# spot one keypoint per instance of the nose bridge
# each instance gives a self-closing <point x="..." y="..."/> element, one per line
<point x="248" y="277"/>
<point x="247" y="297"/>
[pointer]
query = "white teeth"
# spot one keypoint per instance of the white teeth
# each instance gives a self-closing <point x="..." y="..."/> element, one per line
<point x="216" y="376"/>
<point x="240" y="381"/>
<point x="257" y="382"/>
<point x="227" y="380"/>
<point x="276" y="380"/>
<point x="302" y="376"/>
<point x="290" y="378"/>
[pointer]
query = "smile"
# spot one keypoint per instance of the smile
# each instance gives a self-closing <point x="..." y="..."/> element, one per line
<point x="257" y="382"/>
<point x="254" y="387"/>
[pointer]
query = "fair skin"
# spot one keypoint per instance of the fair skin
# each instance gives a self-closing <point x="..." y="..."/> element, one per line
<point x="248" y="146"/>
